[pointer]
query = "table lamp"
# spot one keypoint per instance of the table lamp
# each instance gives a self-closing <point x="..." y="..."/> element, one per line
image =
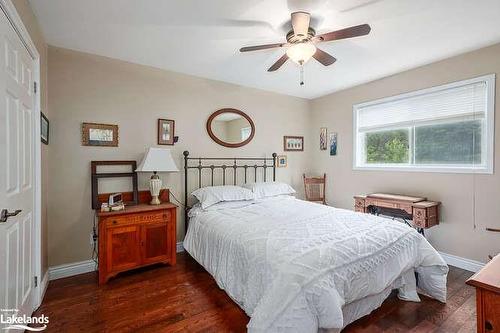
<point x="156" y="160"/>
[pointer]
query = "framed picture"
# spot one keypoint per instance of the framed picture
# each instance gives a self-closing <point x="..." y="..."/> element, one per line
<point x="333" y="144"/>
<point x="281" y="161"/>
<point x="44" y="128"/>
<point x="323" y="144"/>
<point x="166" y="131"/>
<point x="102" y="135"/>
<point x="293" y="143"/>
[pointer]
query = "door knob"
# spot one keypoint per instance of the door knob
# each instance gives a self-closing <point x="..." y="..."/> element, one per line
<point x="4" y="215"/>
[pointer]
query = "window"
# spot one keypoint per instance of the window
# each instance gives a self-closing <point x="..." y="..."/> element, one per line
<point x="443" y="129"/>
<point x="245" y="133"/>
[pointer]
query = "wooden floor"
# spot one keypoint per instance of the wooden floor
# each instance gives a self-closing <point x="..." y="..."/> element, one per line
<point x="185" y="298"/>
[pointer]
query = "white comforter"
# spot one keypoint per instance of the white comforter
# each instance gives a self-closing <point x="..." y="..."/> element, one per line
<point x="293" y="265"/>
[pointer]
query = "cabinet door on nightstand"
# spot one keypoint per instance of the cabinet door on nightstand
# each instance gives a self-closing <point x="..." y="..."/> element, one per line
<point x="122" y="247"/>
<point x="155" y="245"/>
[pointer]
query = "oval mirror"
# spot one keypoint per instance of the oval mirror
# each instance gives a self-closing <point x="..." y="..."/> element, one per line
<point x="230" y="128"/>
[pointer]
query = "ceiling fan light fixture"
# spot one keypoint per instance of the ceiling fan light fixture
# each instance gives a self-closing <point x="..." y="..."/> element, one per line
<point x="300" y="53"/>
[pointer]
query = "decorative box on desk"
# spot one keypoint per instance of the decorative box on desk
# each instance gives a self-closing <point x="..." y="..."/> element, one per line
<point x="138" y="236"/>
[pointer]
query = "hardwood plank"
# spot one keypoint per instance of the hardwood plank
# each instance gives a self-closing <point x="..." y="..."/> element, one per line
<point x="459" y="317"/>
<point x="185" y="298"/>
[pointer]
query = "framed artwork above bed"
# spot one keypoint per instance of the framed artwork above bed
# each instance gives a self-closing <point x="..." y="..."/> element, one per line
<point x="281" y="161"/>
<point x="293" y="143"/>
<point x="166" y="132"/>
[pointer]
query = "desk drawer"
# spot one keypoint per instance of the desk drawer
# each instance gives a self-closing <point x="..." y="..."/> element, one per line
<point x="425" y="217"/>
<point x="359" y="205"/>
<point x="381" y="203"/>
<point x="152" y="217"/>
<point x="389" y="204"/>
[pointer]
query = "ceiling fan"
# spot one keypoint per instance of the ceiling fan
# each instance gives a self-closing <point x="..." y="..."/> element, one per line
<point x="302" y="40"/>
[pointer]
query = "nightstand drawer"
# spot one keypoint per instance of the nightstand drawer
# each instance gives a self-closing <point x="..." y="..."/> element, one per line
<point x="152" y="217"/>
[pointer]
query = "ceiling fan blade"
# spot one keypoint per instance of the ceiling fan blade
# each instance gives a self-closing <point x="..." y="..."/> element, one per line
<point x="300" y="24"/>
<point x="278" y="63"/>
<point x="358" y="30"/>
<point x="324" y="58"/>
<point x="261" y="47"/>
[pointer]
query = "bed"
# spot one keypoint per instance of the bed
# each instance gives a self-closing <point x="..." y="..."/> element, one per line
<point x="297" y="266"/>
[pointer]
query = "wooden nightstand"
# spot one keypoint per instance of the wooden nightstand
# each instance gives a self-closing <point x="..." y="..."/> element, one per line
<point x="487" y="283"/>
<point x="138" y="236"/>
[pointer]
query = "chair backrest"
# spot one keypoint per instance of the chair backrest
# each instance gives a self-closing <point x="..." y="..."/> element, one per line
<point x="315" y="188"/>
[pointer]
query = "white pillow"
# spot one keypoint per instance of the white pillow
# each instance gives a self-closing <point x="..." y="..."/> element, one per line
<point x="211" y="195"/>
<point x="269" y="189"/>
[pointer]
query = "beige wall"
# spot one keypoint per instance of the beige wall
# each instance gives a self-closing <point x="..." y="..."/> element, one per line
<point x="24" y="10"/>
<point x="456" y="234"/>
<point x="89" y="88"/>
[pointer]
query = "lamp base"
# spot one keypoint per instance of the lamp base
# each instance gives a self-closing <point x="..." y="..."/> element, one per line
<point x="154" y="200"/>
<point x="154" y="189"/>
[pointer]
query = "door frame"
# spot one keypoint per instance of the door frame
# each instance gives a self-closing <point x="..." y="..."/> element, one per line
<point x="11" y="13"/>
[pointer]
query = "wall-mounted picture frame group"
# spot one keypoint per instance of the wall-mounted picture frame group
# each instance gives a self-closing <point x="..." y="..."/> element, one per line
<point x="166" y="132"/>
<point x="44" y="128"/>
<point x="293" y="143"/>
<point x="281" y="161"/>
<point x="102" y="135"/>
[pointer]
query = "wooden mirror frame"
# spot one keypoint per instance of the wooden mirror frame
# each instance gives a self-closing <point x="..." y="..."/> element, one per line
<point x="227" y="144"/>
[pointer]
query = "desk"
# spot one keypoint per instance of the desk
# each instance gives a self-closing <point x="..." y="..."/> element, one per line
<point x="423" y="213"/>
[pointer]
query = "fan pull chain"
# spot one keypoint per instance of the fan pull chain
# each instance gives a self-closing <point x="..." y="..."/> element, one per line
<point x="301" y="73"/>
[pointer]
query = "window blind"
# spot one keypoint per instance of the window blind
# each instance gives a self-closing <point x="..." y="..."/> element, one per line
<point x="462" y="102"/>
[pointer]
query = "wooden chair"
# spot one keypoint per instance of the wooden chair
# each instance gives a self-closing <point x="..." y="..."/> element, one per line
<point x="315" y="188"/>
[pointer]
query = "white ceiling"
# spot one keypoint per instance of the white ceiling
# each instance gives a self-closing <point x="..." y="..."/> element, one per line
<point x="202" y="38"/>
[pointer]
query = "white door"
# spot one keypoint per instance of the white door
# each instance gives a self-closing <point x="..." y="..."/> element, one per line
<point x="17" y="101"/>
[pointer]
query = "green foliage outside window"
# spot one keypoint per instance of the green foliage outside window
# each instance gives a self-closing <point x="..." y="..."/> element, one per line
<point x="448" y="143"/>
<point x="387" y="146"/>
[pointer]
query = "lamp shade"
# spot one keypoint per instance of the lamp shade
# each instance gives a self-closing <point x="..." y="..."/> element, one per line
<point x="157" y="160"/>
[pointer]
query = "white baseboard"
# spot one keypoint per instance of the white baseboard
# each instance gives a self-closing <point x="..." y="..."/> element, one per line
<point x="81" y="267"/>
<point x="463" y="263"/>
<point x="75" y="268"/>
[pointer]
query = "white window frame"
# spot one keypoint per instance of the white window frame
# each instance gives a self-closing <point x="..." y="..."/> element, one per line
<point x="488" y="134"/>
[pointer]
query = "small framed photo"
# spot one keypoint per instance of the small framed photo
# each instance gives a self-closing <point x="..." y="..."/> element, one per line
<point x="166" y="131"/>
<point x="281" y="161"/>
<point x="44" y="128"/>
<point x="333" y="144"/>
<point x="103" y="135"/>
<point x="323" y="144"/>
<point x="293" y="143"/>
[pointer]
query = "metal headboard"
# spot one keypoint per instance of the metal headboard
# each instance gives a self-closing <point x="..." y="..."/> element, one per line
<point x="214" y="163"/>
